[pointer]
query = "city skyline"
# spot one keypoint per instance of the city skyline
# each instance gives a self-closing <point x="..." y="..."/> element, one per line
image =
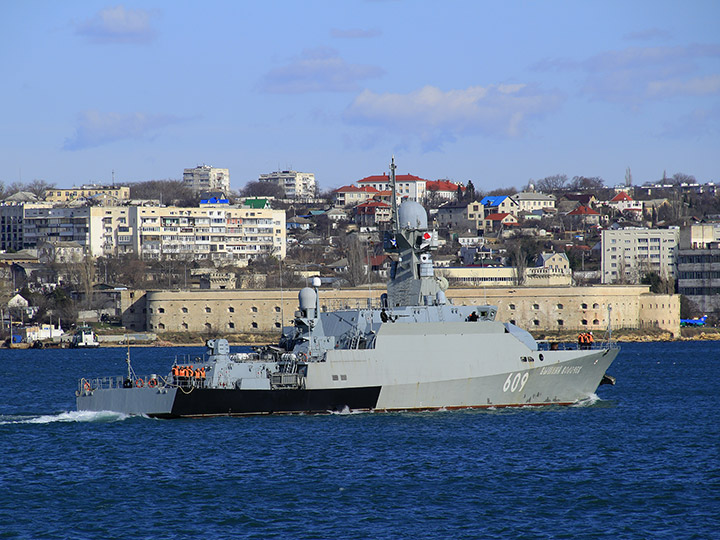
<point x="496" y="93"/>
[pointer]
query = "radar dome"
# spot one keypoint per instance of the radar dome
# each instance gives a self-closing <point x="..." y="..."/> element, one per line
<point x="307" y="298"/>
<point x="412" y="215"/>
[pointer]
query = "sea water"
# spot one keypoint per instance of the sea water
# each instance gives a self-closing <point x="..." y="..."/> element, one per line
<point x="641" y="461"/>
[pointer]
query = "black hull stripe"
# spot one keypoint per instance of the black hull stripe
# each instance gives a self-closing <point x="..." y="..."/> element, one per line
<point x="215" y="402"/>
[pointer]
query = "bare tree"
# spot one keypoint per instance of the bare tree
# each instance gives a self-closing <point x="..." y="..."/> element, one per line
<point x="549" y="184"/>
<point x="262" y="189"/>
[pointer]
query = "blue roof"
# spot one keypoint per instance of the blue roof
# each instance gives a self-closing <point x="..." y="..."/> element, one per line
<point x="495" y="200"/>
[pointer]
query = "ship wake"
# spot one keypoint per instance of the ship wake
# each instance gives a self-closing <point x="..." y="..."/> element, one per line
<point x="66" y="417"/>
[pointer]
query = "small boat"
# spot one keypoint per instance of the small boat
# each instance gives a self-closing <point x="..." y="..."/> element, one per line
<point x="84" y="338"/>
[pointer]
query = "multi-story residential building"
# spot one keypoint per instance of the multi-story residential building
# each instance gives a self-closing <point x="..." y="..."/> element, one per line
<point x="630" y="253"/>
<point x="214" y="232"/>
<point x="623" y="203"/>
<point x="407" y="186"/>
<point x="88" y="191"/>
<point x="217" y="233"/>
<point x="351" y="195"/>
<point x="297" y="185"/>
<point x="207" y="178"/>
<point x="528" y="201"/>
<point x="699" y="266"/>
<point x="12" y="218"/>
<point x="372" y="213"/>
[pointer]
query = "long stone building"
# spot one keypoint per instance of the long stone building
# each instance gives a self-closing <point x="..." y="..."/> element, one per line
<point x="539" y="309"/>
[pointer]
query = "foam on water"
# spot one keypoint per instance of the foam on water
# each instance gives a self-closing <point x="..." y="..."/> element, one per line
<point x="68" y="416"/>
<point x="589" y="401"/>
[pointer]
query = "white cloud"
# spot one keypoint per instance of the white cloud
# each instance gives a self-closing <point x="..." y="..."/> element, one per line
<point x="635" y="74"/>
<point x="318" y="70"/>
<point x="96" y="129"/>
<point x="118" y="25"/>
<point x="438" y="116"/>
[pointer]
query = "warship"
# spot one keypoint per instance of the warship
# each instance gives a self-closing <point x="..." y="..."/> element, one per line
<point x="415" y="350"/>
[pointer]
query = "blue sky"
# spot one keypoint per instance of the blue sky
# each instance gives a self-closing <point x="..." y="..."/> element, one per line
<point x="494" y="92"/>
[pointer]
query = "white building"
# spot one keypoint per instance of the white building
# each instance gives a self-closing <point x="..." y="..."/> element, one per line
<point x="407" y="186"/>
<point x="628" y="254"/>
<point x="207" y="178"/>
<point x="297" y="185"/>
<point x="527" y="201"/>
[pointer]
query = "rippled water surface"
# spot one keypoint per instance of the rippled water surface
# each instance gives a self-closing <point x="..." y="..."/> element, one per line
<point x="643" y="461"/>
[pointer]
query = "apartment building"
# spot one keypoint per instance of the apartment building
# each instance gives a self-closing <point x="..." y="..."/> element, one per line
<point x="630" y="253"/>
<point x="297" y="185"/>
<point x="699" y="266"/>
<point x="88" y="191"/>
<point x="207" y="178"/>
<point x="213" y="232"/>
<point x="12" y="218"/>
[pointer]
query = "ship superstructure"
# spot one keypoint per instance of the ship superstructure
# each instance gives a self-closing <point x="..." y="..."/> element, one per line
<point x="413" y="351"/>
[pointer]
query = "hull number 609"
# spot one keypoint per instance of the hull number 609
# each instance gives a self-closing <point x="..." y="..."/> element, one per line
<point x="515" y="382"/>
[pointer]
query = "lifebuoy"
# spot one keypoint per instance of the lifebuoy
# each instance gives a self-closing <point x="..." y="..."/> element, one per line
<point x="139" y="383"/>
<point x="87" y="386"/>
<point x="152" y="383"/>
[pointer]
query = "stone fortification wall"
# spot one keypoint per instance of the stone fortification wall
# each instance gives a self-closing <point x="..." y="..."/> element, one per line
<point x="546" y="309"/>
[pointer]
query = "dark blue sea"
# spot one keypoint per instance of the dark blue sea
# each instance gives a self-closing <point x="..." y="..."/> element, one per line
<point x="642" y="461"/>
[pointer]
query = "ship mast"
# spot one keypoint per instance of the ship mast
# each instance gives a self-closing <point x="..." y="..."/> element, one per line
<point x="394" y="218"/>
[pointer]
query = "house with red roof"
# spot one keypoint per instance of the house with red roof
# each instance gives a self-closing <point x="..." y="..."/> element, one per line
<point x="371" y="213"/>
<point x="408" y="186"/>
<point x="584" y="215"/>
<point x="443" y="189"/>
<point x="623" y="203"/>
<point x="495" y="222"/>
<point x="352" y="195"/>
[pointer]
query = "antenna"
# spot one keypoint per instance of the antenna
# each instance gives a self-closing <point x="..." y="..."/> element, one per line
<point x="394" y="217"/>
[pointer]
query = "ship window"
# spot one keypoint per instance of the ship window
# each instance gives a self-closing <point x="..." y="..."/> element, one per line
<point x="207" y="310"/>
<point x="335" y="377"/>
<point x="184" y="310"/>
<point x="560" y="306"/>
<point x="584" y="322"/>
<point x="231" y="309"/>
<point x="536" y="322"/>
<point x="254" y="325"/>
<point x="343" y="377"/>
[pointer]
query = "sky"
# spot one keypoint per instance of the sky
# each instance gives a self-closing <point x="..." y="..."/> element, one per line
<point x="497" y="92"/>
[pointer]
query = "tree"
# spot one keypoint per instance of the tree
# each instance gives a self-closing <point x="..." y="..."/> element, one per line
<point x="38" y="187"/>
<point x="470" y="191"/>
<point x="585" y="183"/>
<point x="353" y="250"/>
<point x="170" y="192"/>
<point x="262" y="189"/>
<point x="549" y="184"/>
